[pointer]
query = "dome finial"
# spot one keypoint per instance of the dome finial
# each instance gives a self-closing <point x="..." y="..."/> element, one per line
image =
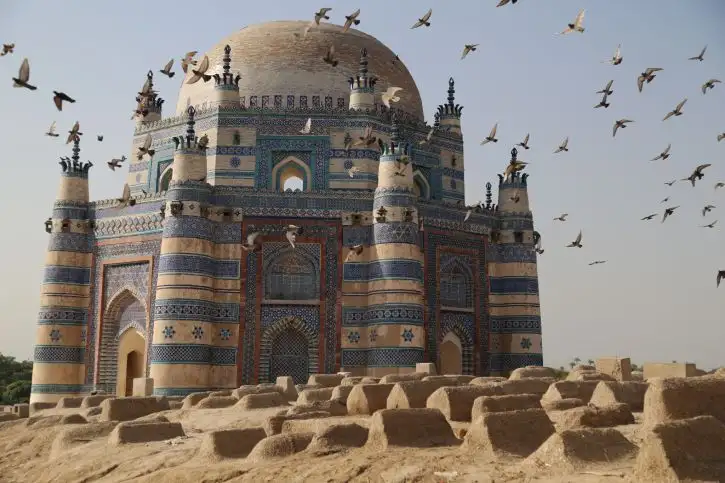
<point x="394" y="133"/>
<point x="363" y="71"/>
<point x="190" y="134"/>
<point x="227" y="59"/>
<point x="488" y="195"/>
<point x="76" y="150"/>
<point x="362" y="81"/>
<point x="451" y="92"/>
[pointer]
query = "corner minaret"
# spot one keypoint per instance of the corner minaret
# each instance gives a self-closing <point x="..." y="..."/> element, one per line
<point x="181" y="346"/>
<point x="513" y="279"/>
<point x="450" y="113"/>
<point x="226" y="89"/>
<point x="395" y="266"/>
<point x="148" y="102"/>
<point x="59" y="356"/>
<point x="362" y="86"/>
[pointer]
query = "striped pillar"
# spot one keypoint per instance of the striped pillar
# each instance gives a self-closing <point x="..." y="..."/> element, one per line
<point x="181" y="346"/>
<point x="58" y="360"/>
<point x="395" y="331"/>
<point x="513" y="283"/>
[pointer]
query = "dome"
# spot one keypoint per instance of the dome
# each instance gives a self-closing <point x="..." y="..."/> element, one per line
<point x="272" y="61"/>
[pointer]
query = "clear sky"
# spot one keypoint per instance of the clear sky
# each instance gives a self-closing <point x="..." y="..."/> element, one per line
<point x="655" y="298"/>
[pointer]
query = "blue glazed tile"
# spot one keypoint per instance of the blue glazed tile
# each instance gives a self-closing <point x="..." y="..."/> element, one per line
<point x="395" y="232"/>
<point x="180" y="354"/>
<point x="383" y="270"/>
<point x="411" y="314"/>
<point x="57" y="389"/>
<point x="67" y="275"/>
<point x="57" y="354"/>
<point x="527" y="324"/>
<point x="514" y="285"/>
<point x="199" y="265"/>
<point x="62" y="316"/>
<point x="70" y="242"/>
<point x="223" y="356"/>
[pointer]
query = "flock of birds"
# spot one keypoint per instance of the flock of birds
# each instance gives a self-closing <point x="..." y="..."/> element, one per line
<point x="200" y="71"/>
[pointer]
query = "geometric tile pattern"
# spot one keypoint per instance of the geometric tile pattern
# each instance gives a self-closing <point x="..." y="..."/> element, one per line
<point x="289" y="347"/>
<point x="462" y="325"/>
<point x="391" y="313"/>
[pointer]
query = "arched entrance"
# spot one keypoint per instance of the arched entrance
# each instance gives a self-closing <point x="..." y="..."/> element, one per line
<point x="290" y="356"/>
<point x="451" y="355"/>
<point x="131" y="360"/>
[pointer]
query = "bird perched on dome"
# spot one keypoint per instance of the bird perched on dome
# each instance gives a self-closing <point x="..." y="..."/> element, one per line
<point x="576" y="26"/>
<point x="424" y="20"/>
<point x="467" y="49"/>
<point x="351" y="20"/>
<point x="200" y="72"/>
<point x="389" y="96"/>
<point x="167" y="69"/>
<point x="23" y="76"/>
<point x="647" y="76"/>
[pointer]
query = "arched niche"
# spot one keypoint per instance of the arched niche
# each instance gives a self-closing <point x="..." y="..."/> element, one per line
<point x="456" y="285"/>
<point x="288" y="169"/>
<point x="450" y="360"/>
<point x="165" y="179"/>
<point x="289" y="347"/>
<point x="131" y="361"/>
<point x="420" y="185"/>
<point x="292" y="275"/>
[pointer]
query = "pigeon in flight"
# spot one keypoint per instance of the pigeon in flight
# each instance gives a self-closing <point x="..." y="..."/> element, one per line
<point x="424" y="20"/>
<point x="51" y="131"/>
<point x="525" y="143"/>
<point x="649" y="217"/>
<point x="576" y="26"/>
<point x="308" y="127"/>
<point x="710" y="84"/>
<point x="578" y="242"/>
<point x="700" y="56"/>
<point x="663" y="155"/>
<point x="621" y="123"/>
<point x="253" y="243"/>
<point x="563" y="146"/>
<point x="389" y="96"/>
<point x="617" y="58"/>
<point x="292" y="232"/>
<point x="351" y="20"/>
<point x="167" y="69"/>
<point x="647" y="76"/>
<point x="668" y="212"/>
<point x="491" y="138"/>
<point x="561" y="217"/>
<point x="354" y="251"/>
<point x="23" y="76"/>
<point x="677" y="111"/>
<point x="468" y="48"/>
<point x="59" y="98"/>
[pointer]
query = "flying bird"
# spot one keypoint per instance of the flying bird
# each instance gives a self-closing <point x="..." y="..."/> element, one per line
<point x="576" y="26"/>
<point x="428" y="137"/>
<point x="389" y="96"/>
<point x="514" y="166"/>
<point x="720" y="276"/>
<point x="515" y="197"/>
<point x="145" y="148"/>
<point x="354" y="251"/>
<point x="647" y="76"/>
<point x="697" y="174"/>
<point x="74" y="133"/>
<point x="351" y="20"/>
<point x="200" y="72"/>
<point x="353" y="171"/>
<point x="468" y="48"/>
<point x="125" y="199"/>
<point x="621" y="123"/>
<point x="116" y="163"/>
<point x="99" y="137"/>
<point x="709" y="85"/>
<point x="367" y="139"/>
<point x="51" y="131"/>
<point x="677" y="111"/>
<point x="320" y="15"/>
<point x="506" y="2"/>
<point x="668" y="212"/>
<point x="607" y="91"/>
<point x="537" y="247"/>
<point x="563" y="146"/>
<point x="424" y="20"/>
<point x="707" y="209"/>
<point x="603" y="103"/>
<point x="597" y="262"/>
<point x="7" y="49"/>
<point x="720" y="137"/>
<point x="308" y="127"/>
<point x="167" y="69"/>
<point x="617" y="58"/>
<point x="203" y="142"/>
<point x="701" y="56"/>
<point x="665" y="200"/>
<point x="670" y="183"/>
<point x="649" y="217"/>
<point x="292" y="232"/>
<point x="578" y="242"/>
<point x="719" y="185"/>
<point x="663" y="155"/>
<point x="253" y="244"/>
<point x="23" y="76"/>
<point x="525" y="143"/>
<point x="329" y="57"/>
<point x="710" y="225"/>
<point x="188" y="60"/>
<point x="59" y="97"/>
<point x="491" y="138"/>
<point x="561" y="217"/>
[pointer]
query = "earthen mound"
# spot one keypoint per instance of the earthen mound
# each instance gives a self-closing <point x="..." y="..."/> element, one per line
<point x="336" y="437"/>
<point x="456" y="402"/>
<point x="512" y="433"/>
<point x="340" y="393"/>
<point x="562" y="404"/>
<point x="94" y="401"/>
<point x="498" y="404"/>
<point x="628" y="392"/>
<point x="325" y="380"/>
<point x="73" y="436"/>
<point x="261" y="401"/>
<point x="130" y="408"/>
<point x="451" y="378"/>
<point x="69" y="402"/>
<point x="8" y="417"/>
<point x="414" y="394"/>
<point x="286" y="386"/>
<point x="684" y="450"/>
<point x="351" y="381"/>
<point x="368" y="398"/>
<point x="393" y="378"/>
<point x="674" y="398"/>
<point x="537" y="385"/>
<point x="530" y="372"/>
<point x="417" y="428"/>
<point x="310" y="395"/>
<point x="334" y="407"/>
<point x="194" y="398"/>
<point x="617" y="414"/>
<point x="144" y="432"/>
<point x="274" y="424"/>
<point x="242" y="391"/>
<point x="74" y="418"/>
<point x="230" y="443"/>
<point x="280" y="445"/>
<point x="38" y="406"/>
<point x="216" y="402"/>
<point x="570" y="390"/>
<point x="573" y="449"/>
<point x="486" y="380"/>
<point x="221" y="393"/>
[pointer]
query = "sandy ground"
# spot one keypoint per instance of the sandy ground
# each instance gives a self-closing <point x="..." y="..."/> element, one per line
<point x="26" y="457"/>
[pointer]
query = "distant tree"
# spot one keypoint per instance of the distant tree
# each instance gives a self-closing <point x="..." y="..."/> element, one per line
<point x="590" y="362"/>
<point x="574" y="362"/>
<point x="15" y="377"/>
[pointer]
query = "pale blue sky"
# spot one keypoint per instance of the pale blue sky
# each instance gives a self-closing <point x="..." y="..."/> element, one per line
<point x="654" y="300"/>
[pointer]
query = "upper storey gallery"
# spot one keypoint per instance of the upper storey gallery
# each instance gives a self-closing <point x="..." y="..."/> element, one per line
<point x="267" y="80"/>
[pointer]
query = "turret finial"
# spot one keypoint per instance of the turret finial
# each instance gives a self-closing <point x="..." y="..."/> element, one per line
<point x="76" y="150"/>
<point x="394" y="133"/>
<point x="514" y="154"/>
<point x="451" y="92"/>
<point x="190" y="134"/>
<point x="362" y="80"/>
<point x="363" y="71"/>
<point x="437" y="120"/>
<point x="226" y="78"/>
<point x="489" y="196"/>
<point x="227" y="59"/>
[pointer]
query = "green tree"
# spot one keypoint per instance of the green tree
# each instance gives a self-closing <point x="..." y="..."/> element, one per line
<point x="15" y="377"/>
